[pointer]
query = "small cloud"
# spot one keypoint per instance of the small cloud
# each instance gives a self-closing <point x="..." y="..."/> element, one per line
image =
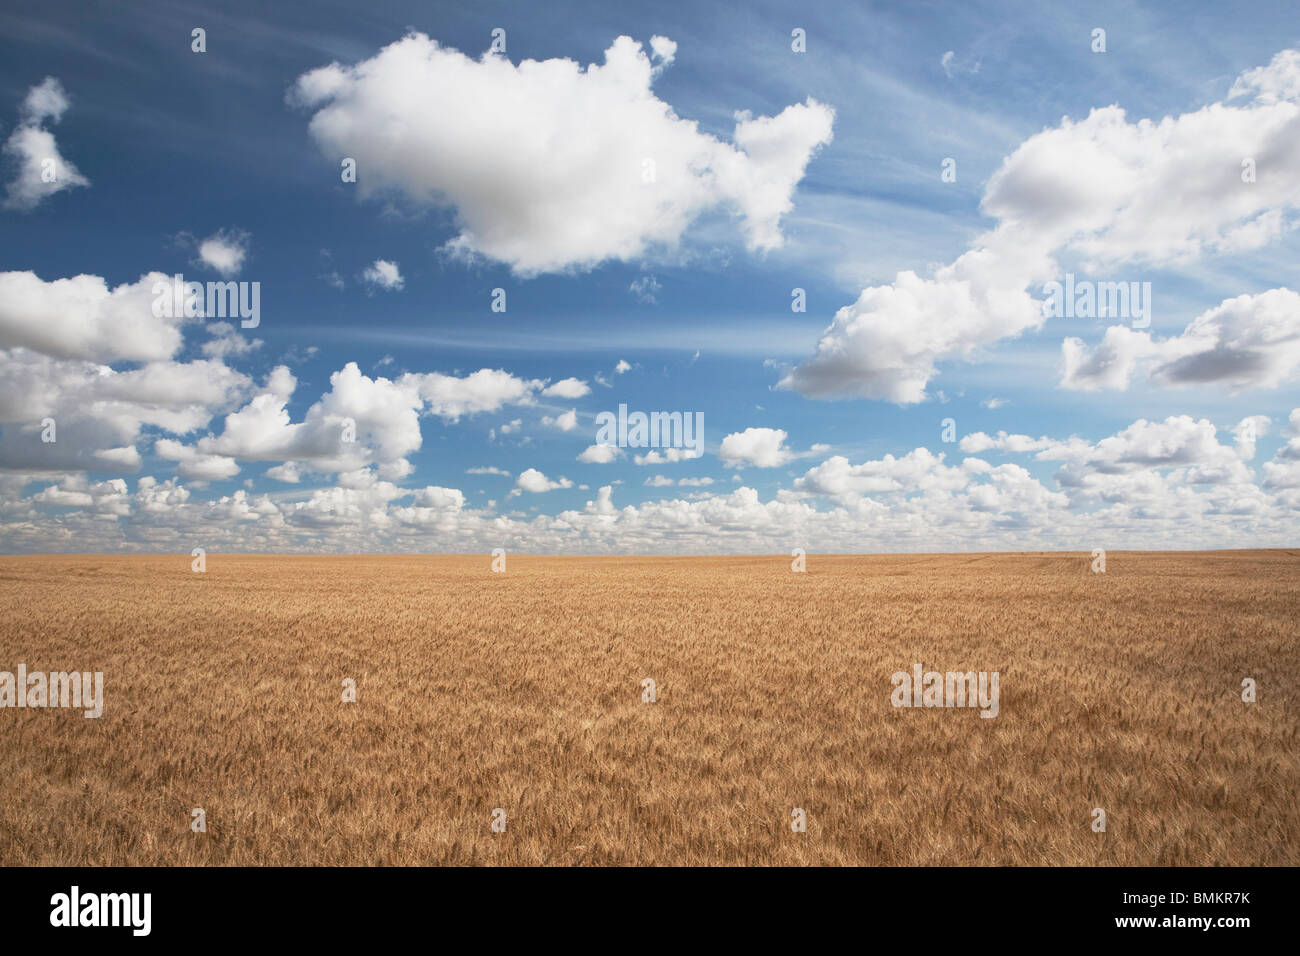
<point x="992" y="403"/>
<point x="1246" y="432"/>
<point x="952" y="65"/>
<point x="45" y="101"/>
<point x="224" y="251"/>
<point x="295" y="354"/>
<point x="41" y="169"/>
<point x="227" y="340"/>
<point x="600" y="454"/>
<point x="761" y="447"/>
<point x="384" y="275"/>
<point x="646" y="289"/>
<point x="567" y="388"/>
<point x="506" y="429"/>
<point x="535" y="482"/>
<point x="669" y="456"/>
<point x="664" y="51"/>
<point x="566" y="422"/>
<point x="288" y="472"/>
<point x="622" y="367"/>
<point x="487" y="470"/>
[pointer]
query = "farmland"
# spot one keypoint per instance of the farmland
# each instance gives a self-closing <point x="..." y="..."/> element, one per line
<point x="523" y="691"/>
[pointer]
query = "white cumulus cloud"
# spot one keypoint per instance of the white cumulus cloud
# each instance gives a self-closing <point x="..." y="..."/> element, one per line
<point x="534" y="481"/>
<point x="1103" y="189"/>
<point x="597" y="167"/>
<point x="383" y="274"/>
<point x="762" y="447"/>
<point x="225" y="251"/>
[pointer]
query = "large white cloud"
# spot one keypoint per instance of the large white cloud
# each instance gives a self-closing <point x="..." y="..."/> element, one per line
<point x="550" y="166"/>
<point x="82" y="318"/>
<point x="359" y="421"/>
<point x="1103" y="189"/>
<point x="918" y="470"/>
<point x="887" y="344"/>
<point x="1251" y="341"/>
<point x="99" y="414"/>
<point x="60" y="343"/>
<point x="486" y="390"/>
<point x="1147" y="465"/>
<point x="102" y="364"/>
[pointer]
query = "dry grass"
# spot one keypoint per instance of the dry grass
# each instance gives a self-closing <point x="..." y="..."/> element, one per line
<point x="523" y="691"/>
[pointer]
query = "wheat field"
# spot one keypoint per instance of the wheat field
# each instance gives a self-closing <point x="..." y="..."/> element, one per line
<point x="522" y="691"/>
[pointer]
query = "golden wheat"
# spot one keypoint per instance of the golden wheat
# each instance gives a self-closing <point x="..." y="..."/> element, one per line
<point x="523" y="691"/>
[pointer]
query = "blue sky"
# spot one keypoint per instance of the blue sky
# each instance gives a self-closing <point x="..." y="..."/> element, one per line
<point x="179" y="147"/>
